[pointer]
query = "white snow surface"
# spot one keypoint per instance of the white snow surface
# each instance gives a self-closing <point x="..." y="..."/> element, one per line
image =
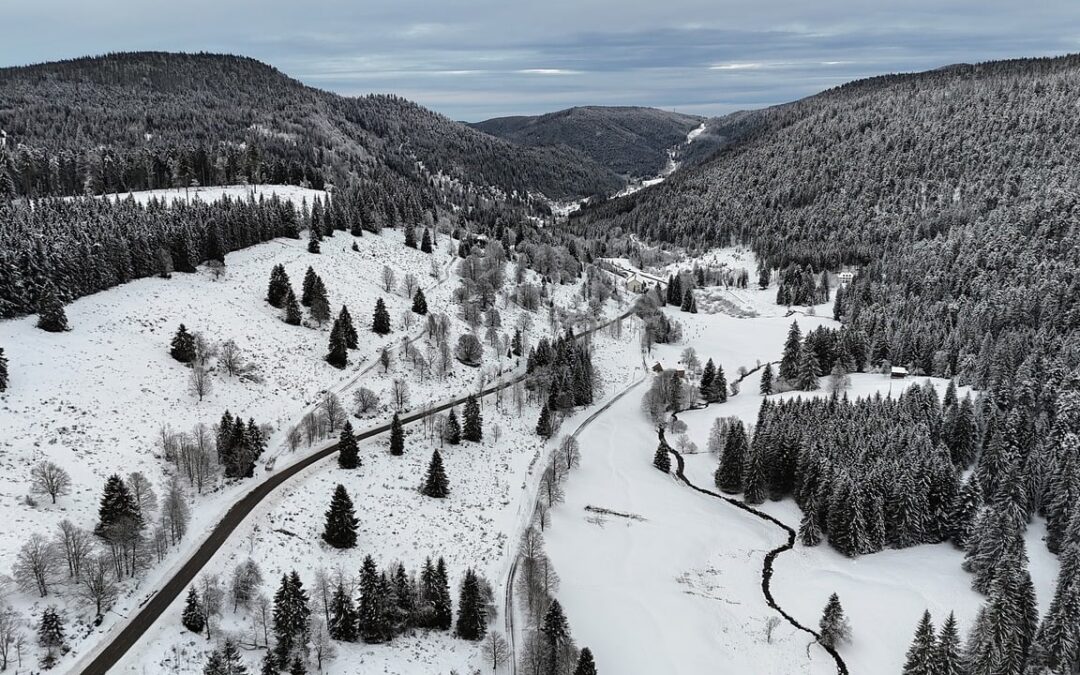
<point x="292" y="193"/>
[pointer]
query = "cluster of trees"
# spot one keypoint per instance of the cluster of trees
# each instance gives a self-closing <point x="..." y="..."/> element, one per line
<point x="562" y="370"/>
<point x="657" y="327"/>
<point x="824" y="351"/>
<point x="798" y="286"/>
<point x="374" y="607"/>
<point x="239" y="445"/>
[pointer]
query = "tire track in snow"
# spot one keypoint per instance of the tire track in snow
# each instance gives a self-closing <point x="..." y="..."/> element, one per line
<point x="770" y="557"/>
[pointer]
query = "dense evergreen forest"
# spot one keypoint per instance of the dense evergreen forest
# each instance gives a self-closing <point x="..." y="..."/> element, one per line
<point x="134" y="121"/>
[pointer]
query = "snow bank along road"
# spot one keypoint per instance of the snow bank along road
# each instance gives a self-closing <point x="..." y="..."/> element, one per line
<point x="767" y="568"/>
<point x="111" y="654"/>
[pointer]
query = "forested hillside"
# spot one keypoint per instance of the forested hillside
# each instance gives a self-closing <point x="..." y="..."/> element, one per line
<point x="628" y="140"/>
<point x="137" y="121"/>
<point x="955" y="192"/>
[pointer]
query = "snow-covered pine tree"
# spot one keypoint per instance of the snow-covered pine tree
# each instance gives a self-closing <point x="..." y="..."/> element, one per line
<point x="707" y="375"/>
<point x="729" y="474"/>
<point x="472" y="429"/>
<point x="435" y="483"/>
<point x="182" y="347"/>
<point x="269" y="664"/>
<point x="543" y="425"/>
<point x="962" y="513"/>
<point x="380" y="322"/>
<point x="452" y="431"/>
<point x="921" y="653"/>
<point x="717" y="391"/>
<point x="291" y="617"/>
<point x="425" y="241"/>
<point x="293" y="317"/>
<point x="833" y="627"/>
<point x="51" y="316"/>
<point x="278" y="287"/>
<point x="341" y="522"/>
<point x="441" y="602"/>
<point x="410" y="237"/>
<point x="348" y="330"/>
<point x="348" y="450"/>
<point x="314" y="236"/>
<point x="766" y="387"/>
<point x="419" y="302"/>
<point x="556" y="631"/>
<point x="397" y="437"/>
<point x="662" y="458"/>
<point x="338" y="354"/>
<point x="50" y="635"/>
<point x="809" y="529"/>
<point x="947" y="656"/>
<point x="754" y="486"/>
<point x="789" y="364"/>
<point x="320" y="304"/>
<point x="307" y="289"/>
<point x="806" y="377"/>
<point x="192" y="617"/>
<point x="342" y="624"/>
<point x="687" y="300"/>
<point x="3" y="370"/>
<point x="585" y="664"/>
<point x="472" y="613"/>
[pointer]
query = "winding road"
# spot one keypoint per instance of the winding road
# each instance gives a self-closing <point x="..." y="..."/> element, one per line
<point x="108" y="656"/>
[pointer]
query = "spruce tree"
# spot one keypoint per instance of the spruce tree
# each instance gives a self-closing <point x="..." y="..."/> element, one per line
<point x="766" y="380"/>
<point x="320" y="305"/>
<point x="754" y="481"/>
<point x="472" y="613"/>
<point x="444" y="615"/>
<point x="833" y="627"/>
<point x="51" y="316"/>
<point x="231" y="662"/>
<point x="675" y="290"/>
<point x="410" y="237"/>
<point x="308" y="287"/>
<point x="397" y="437"/>
<point x="380" y="323"/>
<point x="117" y="508"/>
<point x="3" y="370"/>
<point x="193" y="618"/>
<point x="419" y="302"/>
<point x="369" y="614"/>
<point x="516" y="346"/>
<point x="269" y="664"/>
<point x="452" y="432"/>
<point x="806" y="378"/>
<point x="425" y="241"/>
<point x="473" y="429"/>
<point x="340" y="528"/>
<point x="348" y="330"/>
<point x="962" y="513"/>
<point x="585" y="664"/>
<point x="291" y="615"/>
<point x="279" y="286"/>
<point x="556" y="632"/>
<point x="921" y="653"/>
<point x="687" y="300"/>
<point x="297" y="667"/>
<point x="707" y="375"/>
<point x="809" y="529"/>
<point x="717" y="391"/>
<point x="50" y="635"/>
<point x="338" y="356"/>
<point x="435" y="483"/>
<point x="348" y="450"/>
<point x="342" y="624"/>
<point x="313" y="240"/>
<point x="662" y="458"/>
<point x="293" y="316"/>
<point x="543" y="425"/>
<point x="789" y="364"/>
<point x="947" y="657"/>
<point x="183" y="345"/>
<point x="729" y="474"/>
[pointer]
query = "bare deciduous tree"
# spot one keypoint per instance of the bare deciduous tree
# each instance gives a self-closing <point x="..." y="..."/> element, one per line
<point x="333" y="412"/>
<point x="399" y="394"/>
<point x="232" y="358"/>
<point x="409" y="285"/>
<point x="199" y="381"/>
<point x="388" y="278"/>
<point x="175" y="513"/>
<point x="98" y="583"/>
<point x="10" y="634"/>
<point x="496" y="650"/>
<point x="36" y="565"/>
<point x="76" y="544"/>
<point x="143" y="492"/>
<point x="365" y="400"/>
<point x="50" y="479"/>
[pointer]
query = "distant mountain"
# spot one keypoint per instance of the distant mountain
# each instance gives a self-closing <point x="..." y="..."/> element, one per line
<point x="150" y="119"/>
<point x="631" y="141"/>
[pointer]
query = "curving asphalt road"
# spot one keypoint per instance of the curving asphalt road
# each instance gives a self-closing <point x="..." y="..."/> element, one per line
<point x="111" y="654"/>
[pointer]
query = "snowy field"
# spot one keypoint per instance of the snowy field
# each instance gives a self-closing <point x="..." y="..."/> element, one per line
<point x="94" y="400"/>
<point x="478" y="525"/>
<point x="208" y="194"/>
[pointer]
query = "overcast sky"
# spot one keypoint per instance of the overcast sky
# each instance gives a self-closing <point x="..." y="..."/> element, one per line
<point x="473" y="59"/>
